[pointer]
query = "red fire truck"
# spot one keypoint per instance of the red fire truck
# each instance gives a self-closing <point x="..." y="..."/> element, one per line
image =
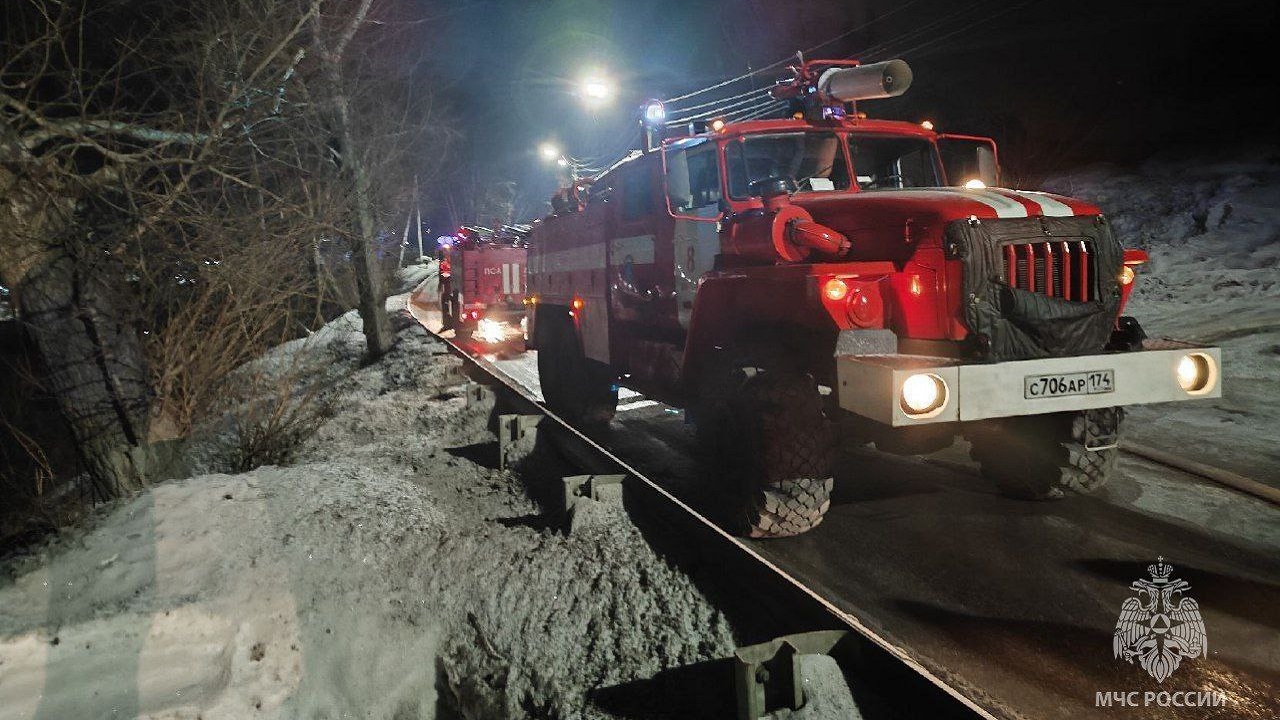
<point x="482" y="284"/>
<point x="828" y="278"/>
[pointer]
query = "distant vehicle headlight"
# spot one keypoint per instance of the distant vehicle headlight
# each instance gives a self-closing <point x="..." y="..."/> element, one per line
<point x="1196" y="373"/>
<point x="922" y="394"/>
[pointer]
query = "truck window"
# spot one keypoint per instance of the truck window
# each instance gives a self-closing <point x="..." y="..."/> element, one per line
<point x="637" y="198"/>
<point x="809" y="161"/>
<point x="893" y="162"/>
<point x="693" y="176"/>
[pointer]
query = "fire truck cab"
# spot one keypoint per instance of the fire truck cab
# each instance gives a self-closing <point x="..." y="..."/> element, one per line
<point x="827" y="278"/>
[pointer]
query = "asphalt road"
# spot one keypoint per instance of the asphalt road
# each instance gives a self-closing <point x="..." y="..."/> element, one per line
<point x="1015" y="603"/>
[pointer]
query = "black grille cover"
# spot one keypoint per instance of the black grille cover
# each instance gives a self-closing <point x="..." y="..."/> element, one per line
<point x="1009" y="323"/>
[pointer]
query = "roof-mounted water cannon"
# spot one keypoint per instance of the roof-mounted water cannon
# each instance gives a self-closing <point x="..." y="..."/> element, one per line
<point x="830" y="88"/>
<point x="890" y="78"/>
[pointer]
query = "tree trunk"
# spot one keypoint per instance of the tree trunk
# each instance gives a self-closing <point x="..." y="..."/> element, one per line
<point x="372" y="301"/>
<point x="96" y="368"/>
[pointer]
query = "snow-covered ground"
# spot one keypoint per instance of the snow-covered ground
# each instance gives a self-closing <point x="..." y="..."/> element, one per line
<point x="389" y="573"/>
<point x="1212" y="226"/>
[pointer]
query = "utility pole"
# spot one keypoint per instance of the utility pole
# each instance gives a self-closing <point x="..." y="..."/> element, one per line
<point x="418" y="205"/>
<point x="404" y="239"/>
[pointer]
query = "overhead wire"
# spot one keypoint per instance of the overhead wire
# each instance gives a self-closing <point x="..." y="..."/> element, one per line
<point x="748" y="93"/>
<point x="748" y="106"/>
<point x="789" y="58"/>
<point x="970" y="26"/>
<point x="716" y="111"/>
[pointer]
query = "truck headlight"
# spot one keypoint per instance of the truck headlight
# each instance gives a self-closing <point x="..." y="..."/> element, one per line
<point x="490" y="331"/>
<point x="1196" y="373"/>
<point x="922" y="394"/>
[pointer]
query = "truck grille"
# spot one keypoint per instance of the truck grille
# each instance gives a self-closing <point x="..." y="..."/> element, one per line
<point x="1057" y="268"/>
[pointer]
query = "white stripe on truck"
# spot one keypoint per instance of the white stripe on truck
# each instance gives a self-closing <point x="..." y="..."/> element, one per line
<point x="1049" y="207"/>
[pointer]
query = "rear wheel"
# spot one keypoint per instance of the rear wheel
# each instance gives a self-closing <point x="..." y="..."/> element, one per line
<point x="575" y="387"/>
<point x="1042" y="457"/>
<point x="767" y="437"/>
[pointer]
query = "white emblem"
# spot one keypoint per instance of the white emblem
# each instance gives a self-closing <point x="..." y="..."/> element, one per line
<point x="1158" y="629"/>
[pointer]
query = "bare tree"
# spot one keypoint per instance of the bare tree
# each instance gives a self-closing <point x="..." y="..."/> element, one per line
<point x="169" y="172"/>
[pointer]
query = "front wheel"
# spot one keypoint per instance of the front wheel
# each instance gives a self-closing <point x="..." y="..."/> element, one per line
<point x="769" y="440"/>
<point x="1042" y="457"/>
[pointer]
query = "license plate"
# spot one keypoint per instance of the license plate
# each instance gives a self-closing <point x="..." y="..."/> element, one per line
<point x="1089" y="382"/>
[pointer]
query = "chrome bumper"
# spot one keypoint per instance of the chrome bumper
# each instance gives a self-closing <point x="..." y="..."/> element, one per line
<point x="871" y="385"/>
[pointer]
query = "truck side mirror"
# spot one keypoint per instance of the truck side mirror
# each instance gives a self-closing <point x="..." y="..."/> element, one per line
<point x="966" y="159"/>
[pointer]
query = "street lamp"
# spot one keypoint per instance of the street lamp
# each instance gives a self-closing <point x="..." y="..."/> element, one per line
<point x="549" y="151"/>
<point x="596" y="90"/>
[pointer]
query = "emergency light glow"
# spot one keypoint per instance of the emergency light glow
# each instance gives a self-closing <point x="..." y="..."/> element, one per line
<point x="1126" y="275"/>
<point x="927" y="124"/>
<point x="578" y="303"/>
<point x="654" y="112"/>
<point x="975" y="184"/>
<point x="717" y="125"/>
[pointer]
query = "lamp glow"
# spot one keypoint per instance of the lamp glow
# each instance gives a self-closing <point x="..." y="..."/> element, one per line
<point x="922" y="394"/>
<point x="596" y="90"/>
<point x="1196" y="373"/>
<point x="835" y="289"/>
<point x="975" y="184"/>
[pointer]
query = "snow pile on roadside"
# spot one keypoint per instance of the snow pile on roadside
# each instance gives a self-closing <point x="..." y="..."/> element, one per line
<point x="1212" y="226"/>
<point x="389" y="573"/>
<point x="411" y="276"/>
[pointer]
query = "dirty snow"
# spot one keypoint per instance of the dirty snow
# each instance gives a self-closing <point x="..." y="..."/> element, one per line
<point x="1212" y="226"/>
<point x="389" y="573"/>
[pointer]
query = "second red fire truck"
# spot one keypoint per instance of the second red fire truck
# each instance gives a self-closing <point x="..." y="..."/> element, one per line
<point x="483" y="285"/>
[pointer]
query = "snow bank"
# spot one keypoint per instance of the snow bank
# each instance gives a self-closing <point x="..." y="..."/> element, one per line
<point x="426" y="274"/>
<point x="390" y="573"/>
<point x="1212" y="226"/>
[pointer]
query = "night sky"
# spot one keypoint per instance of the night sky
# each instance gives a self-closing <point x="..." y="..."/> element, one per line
<point x="1057" y="83"/>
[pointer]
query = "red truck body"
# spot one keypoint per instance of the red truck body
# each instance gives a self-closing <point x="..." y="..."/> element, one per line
<point x="776" y="277"/>
<point x="483" y="285"/>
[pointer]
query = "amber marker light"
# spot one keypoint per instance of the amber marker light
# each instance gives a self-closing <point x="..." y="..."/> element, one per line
<point x="835" y="289"/>
<point x="915" y="286"/>
<point x="1126" y="275"/>
<point x="578" y="303"/>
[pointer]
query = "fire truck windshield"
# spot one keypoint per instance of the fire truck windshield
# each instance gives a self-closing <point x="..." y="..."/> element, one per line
<point x="808" y="161"/>
<point x="883" y="162"/>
